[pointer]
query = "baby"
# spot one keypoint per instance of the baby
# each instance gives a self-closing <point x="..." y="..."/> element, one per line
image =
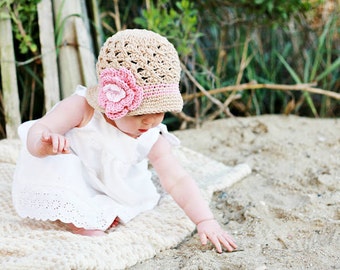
<point x="85" y="162"/>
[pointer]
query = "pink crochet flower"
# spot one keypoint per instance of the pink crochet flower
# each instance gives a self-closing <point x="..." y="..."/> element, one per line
<point x="118" y="92"/>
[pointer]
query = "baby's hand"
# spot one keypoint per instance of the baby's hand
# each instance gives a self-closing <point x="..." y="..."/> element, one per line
<point x="210" y="229"/>
<point x="59" y="143"/>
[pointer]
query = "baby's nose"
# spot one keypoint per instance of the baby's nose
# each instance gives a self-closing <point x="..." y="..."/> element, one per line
<point x="148" y="120"/>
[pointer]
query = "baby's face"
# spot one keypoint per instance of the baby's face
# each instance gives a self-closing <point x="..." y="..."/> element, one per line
<point x="135" y="126"/>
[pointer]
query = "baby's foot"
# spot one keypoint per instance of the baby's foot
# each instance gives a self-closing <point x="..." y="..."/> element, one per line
<point x="85" y="232"/>
<point x="114" y="223"/>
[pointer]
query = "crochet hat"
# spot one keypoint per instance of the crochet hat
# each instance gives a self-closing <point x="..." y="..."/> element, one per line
<point x="138" y="72"/>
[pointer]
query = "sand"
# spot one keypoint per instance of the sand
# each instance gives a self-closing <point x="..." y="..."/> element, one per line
<point x="286" y="214"/>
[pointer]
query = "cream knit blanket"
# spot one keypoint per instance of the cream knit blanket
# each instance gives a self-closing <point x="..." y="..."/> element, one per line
<point x="31" y="244"/>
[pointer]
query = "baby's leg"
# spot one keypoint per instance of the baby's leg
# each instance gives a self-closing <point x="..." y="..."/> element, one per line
<point x="114" y="223"/>
<point x="85" y="232"/>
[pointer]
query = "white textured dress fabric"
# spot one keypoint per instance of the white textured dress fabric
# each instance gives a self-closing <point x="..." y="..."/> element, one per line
<point x="105" y="176"/>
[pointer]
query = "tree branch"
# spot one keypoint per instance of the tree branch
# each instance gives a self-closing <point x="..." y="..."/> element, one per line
<point x="282" y="87"/>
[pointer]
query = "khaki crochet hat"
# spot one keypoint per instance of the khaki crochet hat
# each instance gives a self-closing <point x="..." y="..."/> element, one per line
<point x="139" y="73"/>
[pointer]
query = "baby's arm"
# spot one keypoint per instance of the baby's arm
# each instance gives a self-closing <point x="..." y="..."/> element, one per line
<point x="180" y="185"/>
<point x="46" y="136"/>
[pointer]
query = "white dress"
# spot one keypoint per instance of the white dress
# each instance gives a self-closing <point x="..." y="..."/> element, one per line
<point x="105" y="177"/>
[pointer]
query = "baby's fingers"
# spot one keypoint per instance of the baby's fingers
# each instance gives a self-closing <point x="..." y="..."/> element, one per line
<point x="203" y="238"/>
<point x="214" y="239"/>
<point x="211" y="230"/>
<point x="46" y="137"/>
<point x="219" y="240"/>
<point x="58" y="142"/>
<point x="227" y="242"/>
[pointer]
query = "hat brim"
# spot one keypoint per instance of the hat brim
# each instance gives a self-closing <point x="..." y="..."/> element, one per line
<point x="151" y="104"/>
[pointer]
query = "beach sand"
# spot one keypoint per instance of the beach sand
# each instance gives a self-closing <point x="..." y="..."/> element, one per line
<point x="286" y="214"/>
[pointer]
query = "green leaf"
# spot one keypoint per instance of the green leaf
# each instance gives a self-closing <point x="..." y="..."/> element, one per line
<point x="294" y="75"/>
<point x="270" y="7"/>
<point x="335" y="65"/>
<point x="297" y="80"/>
<point x="318" y="56"/>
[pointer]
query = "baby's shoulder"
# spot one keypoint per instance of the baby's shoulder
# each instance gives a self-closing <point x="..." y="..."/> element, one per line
<point x="76" y="105"/>
<point x="88" y="111"/>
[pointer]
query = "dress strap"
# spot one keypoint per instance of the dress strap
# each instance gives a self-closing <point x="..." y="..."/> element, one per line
<point x="81" y="90"/>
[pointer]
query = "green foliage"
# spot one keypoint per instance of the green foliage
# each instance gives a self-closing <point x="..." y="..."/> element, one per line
<point x="320" y="65"/>
<point x="222" y="59"/>
<point x="178" y="23"/>
<point x="24" y="18"/>
<point x="24" y="15"/>
<point x="276" y="10"/>
<point x="6" y="3"/>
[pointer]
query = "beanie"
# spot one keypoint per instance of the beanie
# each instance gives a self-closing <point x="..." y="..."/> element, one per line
<point x="138" y="72"/>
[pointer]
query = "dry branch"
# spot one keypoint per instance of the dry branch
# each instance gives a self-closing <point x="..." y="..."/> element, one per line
<point x="201" y="88"/>
<point x="244" y="63"/>
<point x="281" y="87"/>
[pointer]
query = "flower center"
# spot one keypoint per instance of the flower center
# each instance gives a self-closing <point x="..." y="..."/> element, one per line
<point x="113" y="92"/>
